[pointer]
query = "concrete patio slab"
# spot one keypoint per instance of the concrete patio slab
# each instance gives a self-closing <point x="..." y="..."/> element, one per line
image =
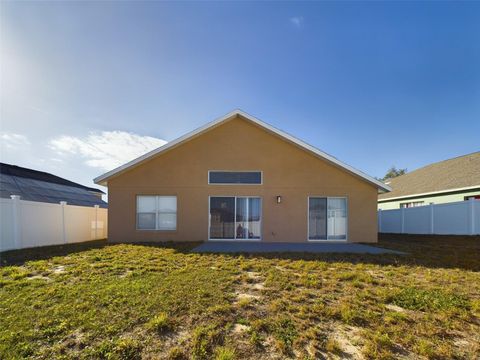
<point x="272" y="247"/>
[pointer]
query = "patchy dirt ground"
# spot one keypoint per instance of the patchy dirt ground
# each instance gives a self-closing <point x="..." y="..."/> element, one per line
<point x="147" y="302"/>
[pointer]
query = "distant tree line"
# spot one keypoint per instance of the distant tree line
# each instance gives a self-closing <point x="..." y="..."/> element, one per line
<point x="393" y="172"/>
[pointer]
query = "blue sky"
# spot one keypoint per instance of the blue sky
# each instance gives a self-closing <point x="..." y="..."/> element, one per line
<point x="88" y="85"/>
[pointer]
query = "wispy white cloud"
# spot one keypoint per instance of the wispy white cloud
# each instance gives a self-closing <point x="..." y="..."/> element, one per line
<point x="13" y="141"/>
<point x="297" y="21"/>
<point x="105" y="150"/>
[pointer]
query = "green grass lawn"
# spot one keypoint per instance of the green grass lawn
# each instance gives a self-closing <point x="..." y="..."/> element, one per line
<point x="122" y="301"/>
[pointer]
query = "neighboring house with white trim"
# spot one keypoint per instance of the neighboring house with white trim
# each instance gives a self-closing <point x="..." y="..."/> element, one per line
<point x="451" y="180"/>
<point x="239" y="178"/>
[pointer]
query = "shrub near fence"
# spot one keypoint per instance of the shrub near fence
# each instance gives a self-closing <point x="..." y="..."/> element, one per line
<point x="27" y="224"/>
<point x="456" y="218"/>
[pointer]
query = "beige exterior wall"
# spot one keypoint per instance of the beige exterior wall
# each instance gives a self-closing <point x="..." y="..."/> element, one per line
<point x="239" y="145"/>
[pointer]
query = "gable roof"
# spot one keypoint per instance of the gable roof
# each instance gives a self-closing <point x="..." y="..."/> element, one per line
<point x="103" y="179"/>
<point x="459" y="173"/>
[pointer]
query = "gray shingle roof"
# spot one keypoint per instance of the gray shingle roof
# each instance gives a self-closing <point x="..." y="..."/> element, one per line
<point x="456" y="173"/>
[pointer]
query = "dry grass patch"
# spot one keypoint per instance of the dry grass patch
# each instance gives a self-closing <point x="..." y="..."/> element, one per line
<point x="99" y="301"/>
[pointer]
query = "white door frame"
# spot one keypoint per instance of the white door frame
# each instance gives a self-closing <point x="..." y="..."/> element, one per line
<point x="326" y="219"/>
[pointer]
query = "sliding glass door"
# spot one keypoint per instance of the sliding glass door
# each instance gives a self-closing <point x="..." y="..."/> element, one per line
<point x="327" y="218"/>
<point x="235" y="218"/>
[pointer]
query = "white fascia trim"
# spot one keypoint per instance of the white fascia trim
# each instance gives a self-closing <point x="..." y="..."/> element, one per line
<point x="427" y="193"/>
<point x="188" y="136"/>
<point x="101" y="180"/>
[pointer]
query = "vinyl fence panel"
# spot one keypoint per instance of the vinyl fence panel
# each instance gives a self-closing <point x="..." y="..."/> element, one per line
<point x="27" y="224"/>
<point x="417" y="220"/>
<point x="7" y="239"/>
<point x="476" y="217"/>
<point x="391" y="221"/>
<point x="453" y="218"/>
<point x="40" y="223"/>
<point x="456" y="218"/>
<point x="85" y="223"/>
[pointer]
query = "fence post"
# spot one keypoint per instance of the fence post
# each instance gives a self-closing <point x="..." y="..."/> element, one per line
<point x="380" y="220"/>
<point x="471" y="204"/>
<point x="16" y="221"/>
<point x="64" y="232"/>
<point x="402" y="212"/>
<point x="432" y="223"/>
<point x="96" y="220"/>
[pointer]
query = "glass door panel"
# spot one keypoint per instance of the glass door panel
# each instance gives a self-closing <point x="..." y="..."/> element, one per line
<point x="222" y="218"/>
<point x="254" y="218"/>
<point x="337" y="218"/>
<point x="242" y="218"/>
<point x="317" y="219"/>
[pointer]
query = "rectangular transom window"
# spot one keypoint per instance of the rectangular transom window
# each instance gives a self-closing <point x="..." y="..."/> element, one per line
<point x="235" y="177"/>
<point x="156" y="212"/>
<point x="327" y="218"/>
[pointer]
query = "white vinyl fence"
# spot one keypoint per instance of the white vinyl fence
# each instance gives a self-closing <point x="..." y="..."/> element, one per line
<point x="456" y="218"/>
<point x="27" y="224"/>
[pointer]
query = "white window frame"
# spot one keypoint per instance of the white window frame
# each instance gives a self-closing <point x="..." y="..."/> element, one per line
<point x="235" y="218"/>
<point x="235" y="171"/>
<point x="308" y="218"/>
<point x="412" y="204"/>
<point x="157" y="212"/>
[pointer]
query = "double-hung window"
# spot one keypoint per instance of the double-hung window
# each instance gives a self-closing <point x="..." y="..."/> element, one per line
<point x="327" y="218"/>
<point x="156" y="212"/>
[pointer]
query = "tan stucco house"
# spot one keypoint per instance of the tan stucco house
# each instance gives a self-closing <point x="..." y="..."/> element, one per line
<point x="240" y="179"/>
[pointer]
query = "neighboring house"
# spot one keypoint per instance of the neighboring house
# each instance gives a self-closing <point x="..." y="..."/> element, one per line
<point x="33" y="185"/>
<point x="238" y="178"/>
<point x="456" y="179"/>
